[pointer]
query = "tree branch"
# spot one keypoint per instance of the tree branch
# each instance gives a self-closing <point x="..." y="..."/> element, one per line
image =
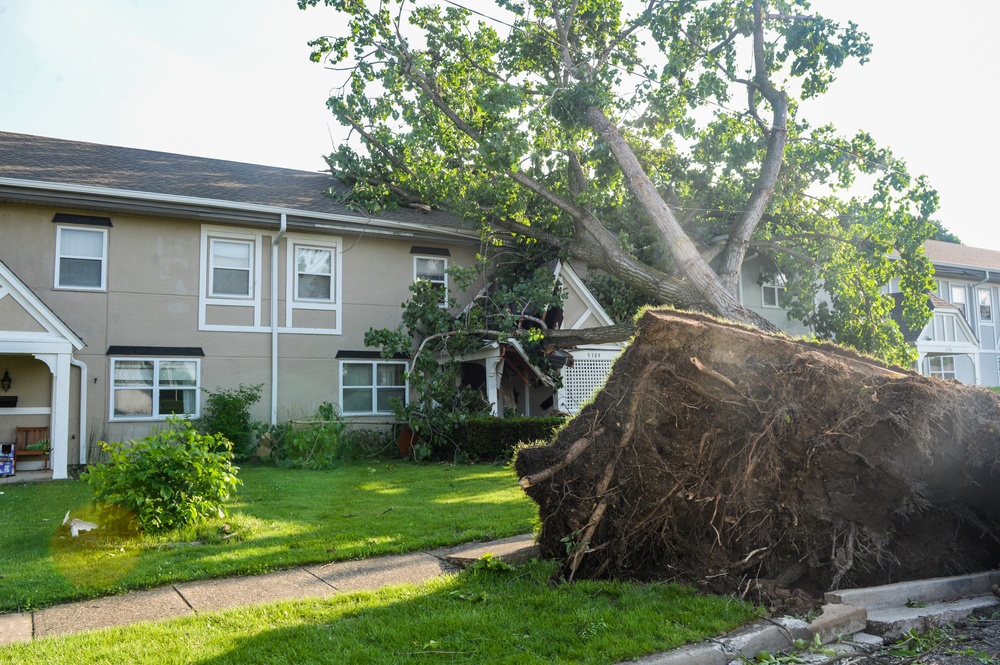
<point x="749" y="219"/>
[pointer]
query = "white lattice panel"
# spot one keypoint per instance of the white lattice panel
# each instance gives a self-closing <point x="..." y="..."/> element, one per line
<point x="581" y="381"/>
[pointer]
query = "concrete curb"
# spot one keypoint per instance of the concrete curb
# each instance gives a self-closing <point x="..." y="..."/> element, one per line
<point x="849" y="618"/>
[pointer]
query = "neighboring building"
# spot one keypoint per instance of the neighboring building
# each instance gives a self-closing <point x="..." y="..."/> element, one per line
<point x="961" y="340"/>
<point x="131" y="280"/>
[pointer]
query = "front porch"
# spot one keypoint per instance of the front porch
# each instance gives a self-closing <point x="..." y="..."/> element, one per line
<point x="27" y="477"/>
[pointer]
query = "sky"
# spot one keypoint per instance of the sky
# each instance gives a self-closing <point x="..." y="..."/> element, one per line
<point x="231" y="79"/>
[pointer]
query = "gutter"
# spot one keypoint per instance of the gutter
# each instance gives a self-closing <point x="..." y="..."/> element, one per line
<point x="283" y="228"/>
<point x="354" y="223"/>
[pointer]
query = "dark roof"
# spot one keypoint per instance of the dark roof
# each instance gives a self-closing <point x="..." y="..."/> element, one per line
<point x="39" y="158"/>
<point x="909" y="334"/>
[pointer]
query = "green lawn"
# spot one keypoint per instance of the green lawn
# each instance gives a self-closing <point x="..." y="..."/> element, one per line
<point x="476" y="617"/>
<point x="279" y="518"/>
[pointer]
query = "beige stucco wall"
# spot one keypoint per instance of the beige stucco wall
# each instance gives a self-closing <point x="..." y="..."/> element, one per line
<point x="153" y="276"/>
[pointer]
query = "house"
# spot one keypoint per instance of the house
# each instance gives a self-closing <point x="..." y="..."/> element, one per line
<point x="131" y="280"/>
<point x="961" y="340"/>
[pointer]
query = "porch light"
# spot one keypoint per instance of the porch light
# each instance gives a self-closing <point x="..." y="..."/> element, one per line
<point x="5" y="381"/>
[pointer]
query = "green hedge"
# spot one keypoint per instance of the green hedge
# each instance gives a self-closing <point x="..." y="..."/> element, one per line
<point x="488" y="438"/>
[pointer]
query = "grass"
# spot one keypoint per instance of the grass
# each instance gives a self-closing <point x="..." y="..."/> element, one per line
<point x="279" y="519"/>
<point x="482" y="616"/>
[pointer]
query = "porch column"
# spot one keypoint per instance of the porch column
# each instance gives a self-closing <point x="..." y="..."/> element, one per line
<point x="58" y="364"/>
<point x="494" y="370"/>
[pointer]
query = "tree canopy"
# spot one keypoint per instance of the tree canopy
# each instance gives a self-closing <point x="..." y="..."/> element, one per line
<point x="658" y="141"/>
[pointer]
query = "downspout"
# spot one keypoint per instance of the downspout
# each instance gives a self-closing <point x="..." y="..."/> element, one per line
<point x="274" y="317"/>
<point x="83" y="407"/>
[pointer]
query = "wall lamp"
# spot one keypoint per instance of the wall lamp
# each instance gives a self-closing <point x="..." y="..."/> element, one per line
<point x="5" y="381"/>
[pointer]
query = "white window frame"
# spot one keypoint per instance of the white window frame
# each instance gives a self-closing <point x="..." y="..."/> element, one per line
<point x="957" y="297"/>
<point x="374" y="364"/>
<point x="777" y="285"/>
<point x="988" y="305"/>
<point x="293" y="303"/>
<point x="296" y="274"/>
<point x="155" y="415"/>
<point x="250" y="269"/>
<point x="940" y="372"/>
<point x="443" y="281"/>
<point x="59" y="256"/>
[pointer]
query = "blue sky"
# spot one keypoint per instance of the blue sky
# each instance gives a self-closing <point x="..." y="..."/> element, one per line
<point x="231" y="79"/>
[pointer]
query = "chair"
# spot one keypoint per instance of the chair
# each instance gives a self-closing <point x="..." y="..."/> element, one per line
<point x="27" y="435"/>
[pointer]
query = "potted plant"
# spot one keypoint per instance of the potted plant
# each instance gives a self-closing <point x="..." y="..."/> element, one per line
<point x="41" y="445"/>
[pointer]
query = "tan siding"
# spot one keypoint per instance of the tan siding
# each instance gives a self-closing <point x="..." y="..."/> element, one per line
<point x="13" y="317"/>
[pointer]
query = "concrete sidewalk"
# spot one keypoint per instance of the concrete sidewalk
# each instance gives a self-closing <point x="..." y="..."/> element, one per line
<point x="849" y="617"/>
<point x="218" y="594"/>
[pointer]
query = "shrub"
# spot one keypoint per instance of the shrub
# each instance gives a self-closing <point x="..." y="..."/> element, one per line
<point x="315" y="443"/>
<point x="488" y="438"/>
<point x="170" y="478"/>
<point x="227" y="412"/>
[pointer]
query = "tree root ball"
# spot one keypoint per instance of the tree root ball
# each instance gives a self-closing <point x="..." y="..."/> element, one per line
<point x="720" y="455"/>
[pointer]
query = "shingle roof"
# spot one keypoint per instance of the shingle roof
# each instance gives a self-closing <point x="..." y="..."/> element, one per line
<point x="909" y="334"/>
<point x="39" y="158"/>
<point x="962" y="255"/>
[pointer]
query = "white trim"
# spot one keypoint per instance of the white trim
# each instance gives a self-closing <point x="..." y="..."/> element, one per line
<point x="374" y="385"/>
<point x="206" y="300"/>
<point x="155" y="388"/>
<point x="362" y="224"/>
<point x="27" y="411"/>
<point x="59" y="255"/>
<point x="335" y="245"/>
<point x="565" y="274"/>
<point x="428" y="257"/>
<point x="58" y="333"/>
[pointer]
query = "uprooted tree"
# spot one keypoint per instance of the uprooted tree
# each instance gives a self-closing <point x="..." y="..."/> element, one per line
<point x="658" y="142"/>
<point x="722" y="455"/>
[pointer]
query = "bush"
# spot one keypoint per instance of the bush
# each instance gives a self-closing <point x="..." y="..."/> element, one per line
<point x="227" y="412"/>
<point x="488" y="438"/>
<point x="315" y="443"/>
<point x="170" y="478"/>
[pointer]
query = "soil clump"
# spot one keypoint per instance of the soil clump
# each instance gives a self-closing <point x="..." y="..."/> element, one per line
<point x="749" y="463"/>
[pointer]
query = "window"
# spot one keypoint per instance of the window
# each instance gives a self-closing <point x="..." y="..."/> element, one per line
<point x="314" y="274"/>
<point x="942" y="367"/>
<point x="371" y="387"/>
<point x="434" y="270"/>
<point x="985" y="305"/>
<point x="231" y="269"/>
<point x="772" y="292"/>
<point x="958" y="299"/>
<point x="152" y="389"/>
<point x="81" y="258"/>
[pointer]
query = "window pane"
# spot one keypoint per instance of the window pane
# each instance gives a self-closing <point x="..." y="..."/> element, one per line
<point x="386" y="397"/>
<point x="314" y="261"/>
<point x="80" y="272"/>
<point x="133" y="402"/>
<point x="356" y="374"/>
<point x="314" y="287"/>
<point x="81" y="243"/>
<point x="178" y="373"/>
<point x="230" y="254"/>
<point x="770" y="299"/>
<point x="357" y="400"/>
<point x="231" y="282"/>
<point x="948" y="363"/>
<point x="391" y="374"/>
<point x="432" y="269"/>
<point x="176" y="402"/>
<point x="133" y="373"/>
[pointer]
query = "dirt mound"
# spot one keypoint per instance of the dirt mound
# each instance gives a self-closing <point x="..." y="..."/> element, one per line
<point x="723" y="455"/>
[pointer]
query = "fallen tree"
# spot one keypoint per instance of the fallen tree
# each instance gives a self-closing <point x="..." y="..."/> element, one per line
<point x="723" y="455"/>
